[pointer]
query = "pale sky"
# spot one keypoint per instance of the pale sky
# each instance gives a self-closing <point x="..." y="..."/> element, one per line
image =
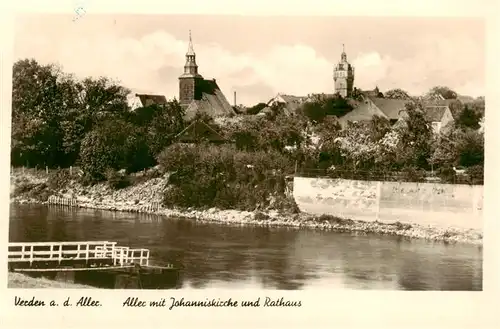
<point x="260" y="56"/>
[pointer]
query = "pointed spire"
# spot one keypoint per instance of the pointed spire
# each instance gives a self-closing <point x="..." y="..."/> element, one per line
<point x="190" y="47"/>
<point x="344" y="55"/>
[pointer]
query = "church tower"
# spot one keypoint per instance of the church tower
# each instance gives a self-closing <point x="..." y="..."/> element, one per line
<point x="189" y="81"/>
<point x="343" y="76"/>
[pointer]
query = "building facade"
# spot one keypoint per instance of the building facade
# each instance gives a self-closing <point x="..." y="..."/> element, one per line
<point x="343" y="76"/>
<point x="190" y="80"/>
<point x="198" y="95"/>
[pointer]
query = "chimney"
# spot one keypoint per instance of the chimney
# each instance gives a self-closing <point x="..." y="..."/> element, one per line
<point x="235" y="98"/>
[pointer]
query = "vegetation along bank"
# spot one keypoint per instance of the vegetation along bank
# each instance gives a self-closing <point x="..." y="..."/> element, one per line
<point x="80" y="140"/>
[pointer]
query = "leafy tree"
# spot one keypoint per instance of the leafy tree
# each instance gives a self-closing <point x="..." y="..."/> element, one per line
<point x="273" y="132"/>
<point x="100" y="99"/>
<point x="397" y="94"/>
<point x="415" y="138"/>
<point x="456" y="107"/>
<point x="471" y="149"/>
<point x="37" y="104"/>
<point x="114" y="144"/>
<point x="160" y="124"/>
<point x="356" y="145"/>
<point x="446" y="92"/>
<point x="460" y="147"/>
<point x="468" y="118"/>
<point x="320" y="107"/>
<point x="52" y="112"/>
<point x="379" y="127"/>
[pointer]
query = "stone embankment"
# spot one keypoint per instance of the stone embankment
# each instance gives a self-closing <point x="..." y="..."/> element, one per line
<point x="22" y="281"/>
<point x="146" y="197"/>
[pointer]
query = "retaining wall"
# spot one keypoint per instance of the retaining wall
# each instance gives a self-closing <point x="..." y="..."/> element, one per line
<point x="446" y="205"/>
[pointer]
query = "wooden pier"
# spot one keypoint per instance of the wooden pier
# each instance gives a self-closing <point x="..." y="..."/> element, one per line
<point x="98" y="263"/>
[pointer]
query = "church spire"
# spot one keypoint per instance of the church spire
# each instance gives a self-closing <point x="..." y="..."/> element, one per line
<point x="190" y="47"/>
<point x="190" y="68"/>
<point x="344" y="55"/>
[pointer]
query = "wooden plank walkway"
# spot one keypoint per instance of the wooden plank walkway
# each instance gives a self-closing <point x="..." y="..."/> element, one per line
<point x="86" y="253"/>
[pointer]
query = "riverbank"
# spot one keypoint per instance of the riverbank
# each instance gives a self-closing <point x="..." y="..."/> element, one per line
<point x="22" y="281"/>
<point x="146" y="197"/>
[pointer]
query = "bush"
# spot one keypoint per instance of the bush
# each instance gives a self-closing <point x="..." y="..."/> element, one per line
<point x="146" y="175"/>
<point x="412" y="174"/>
<point x="476" y="174"/>
<point x="447" y="174"/>
<point x="86" y="179"/>
<point x="116" y="180"/>
<point x="58" y="179"/>
<point x="222" y="176"/>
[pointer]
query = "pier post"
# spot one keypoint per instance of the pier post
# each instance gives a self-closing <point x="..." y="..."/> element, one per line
<point x="60" y="254"/>
<point x="31" y="255"/>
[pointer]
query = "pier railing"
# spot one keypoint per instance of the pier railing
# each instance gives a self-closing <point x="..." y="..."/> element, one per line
<point x="88" y="251"/>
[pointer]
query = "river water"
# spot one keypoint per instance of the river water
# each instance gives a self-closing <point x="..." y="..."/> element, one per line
<point x="214" y="255"/>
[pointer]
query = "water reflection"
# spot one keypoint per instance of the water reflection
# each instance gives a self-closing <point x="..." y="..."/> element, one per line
<point x="275" y="258"/>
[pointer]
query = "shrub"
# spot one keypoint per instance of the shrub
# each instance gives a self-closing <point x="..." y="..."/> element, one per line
<point x="412" y="174"/>
<point x="447" y="174"/>
<point x="58" y="179"/>
<point x="146" y="175"/>
<point x="116" y="180"/>
<point x="86" y="179"/>
<point x="222" y="176"/>
<point x="402" y="226"/>
<point x="476" y="174"/>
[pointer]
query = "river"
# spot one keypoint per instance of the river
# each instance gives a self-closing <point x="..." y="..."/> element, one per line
<point x="214" y="255"/>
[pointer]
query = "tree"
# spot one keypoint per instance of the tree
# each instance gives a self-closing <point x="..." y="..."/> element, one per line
<point x="113" y="144"/>
<point x="397" y="94"/>
<point x="319" y="107"/>
<point x="468" y="118"/>
<point x="415" y="138"/>
<point x="379" y="127"/>
<point x="445" y="92"/>
<point x="52" y="112"/>
<point x="161" y="123"/>
<point x="37" y="109"/>
<point x="460" y="147"/>
<point x="100" y="99"/>
<point x="356" y="145"/>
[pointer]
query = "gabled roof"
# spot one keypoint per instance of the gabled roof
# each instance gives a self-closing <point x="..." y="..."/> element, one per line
<point x="210" y="101"/>
<point x="292" y="103"/>
<point x="371" y="93"/>
<point x="199" y="131"/>
<point x="435" y="113"/>
<point x="390" y="107"/>
<point x="362" y="112"/>
<point x="148" y="100"/>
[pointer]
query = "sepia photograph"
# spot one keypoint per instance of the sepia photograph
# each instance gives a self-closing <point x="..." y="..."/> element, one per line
<point x="238" y="151"/>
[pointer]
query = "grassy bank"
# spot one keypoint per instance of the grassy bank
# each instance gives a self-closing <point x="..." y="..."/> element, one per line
<point x="146" y="195"/>
<point x="18" y="280"/>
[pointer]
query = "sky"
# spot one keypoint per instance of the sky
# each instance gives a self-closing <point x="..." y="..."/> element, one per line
<point x="260" y="56"/>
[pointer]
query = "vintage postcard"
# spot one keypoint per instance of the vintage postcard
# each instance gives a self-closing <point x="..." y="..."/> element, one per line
<point x="242" y="165"/>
